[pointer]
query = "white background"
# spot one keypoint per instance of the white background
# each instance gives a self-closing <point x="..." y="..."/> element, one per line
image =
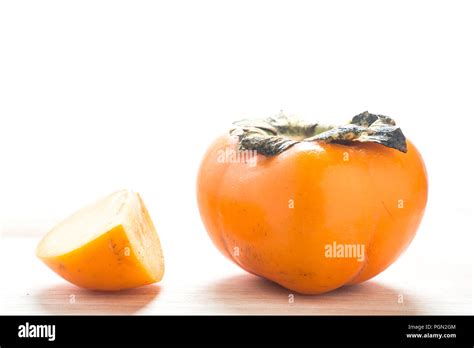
<point x="96" y="96"/>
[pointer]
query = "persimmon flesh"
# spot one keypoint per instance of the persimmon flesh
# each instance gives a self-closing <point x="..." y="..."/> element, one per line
<point x="109" y="245"/>
<point x="277" y="214"/>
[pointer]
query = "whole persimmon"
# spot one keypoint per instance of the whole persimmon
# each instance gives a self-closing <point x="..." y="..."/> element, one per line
<point x="312" y="207"/>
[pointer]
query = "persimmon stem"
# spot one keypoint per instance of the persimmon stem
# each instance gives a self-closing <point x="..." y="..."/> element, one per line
<point x="274" y="135"/>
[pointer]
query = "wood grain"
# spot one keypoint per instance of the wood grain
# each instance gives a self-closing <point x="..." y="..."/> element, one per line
<point x="200" y="281"/>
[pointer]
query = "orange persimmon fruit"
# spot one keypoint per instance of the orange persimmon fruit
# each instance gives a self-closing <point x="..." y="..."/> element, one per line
<point x="110" y="245"/>
<point x="296" y="202"/>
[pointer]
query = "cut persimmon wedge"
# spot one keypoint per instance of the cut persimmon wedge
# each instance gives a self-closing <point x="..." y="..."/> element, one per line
<point x="111" y="245"/>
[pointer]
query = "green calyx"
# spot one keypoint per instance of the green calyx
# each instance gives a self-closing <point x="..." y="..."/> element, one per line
<point x="273" y="135"/>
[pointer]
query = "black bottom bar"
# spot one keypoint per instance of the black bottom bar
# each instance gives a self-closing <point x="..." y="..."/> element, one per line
<point x="225" y="330"/>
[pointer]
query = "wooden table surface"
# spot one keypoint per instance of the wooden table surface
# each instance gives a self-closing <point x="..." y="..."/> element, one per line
<point x="198" y="280"/>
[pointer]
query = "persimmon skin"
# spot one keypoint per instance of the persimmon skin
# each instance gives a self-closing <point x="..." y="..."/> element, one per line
<point x="106" y="264"/>
<point x="275" y="217"/>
